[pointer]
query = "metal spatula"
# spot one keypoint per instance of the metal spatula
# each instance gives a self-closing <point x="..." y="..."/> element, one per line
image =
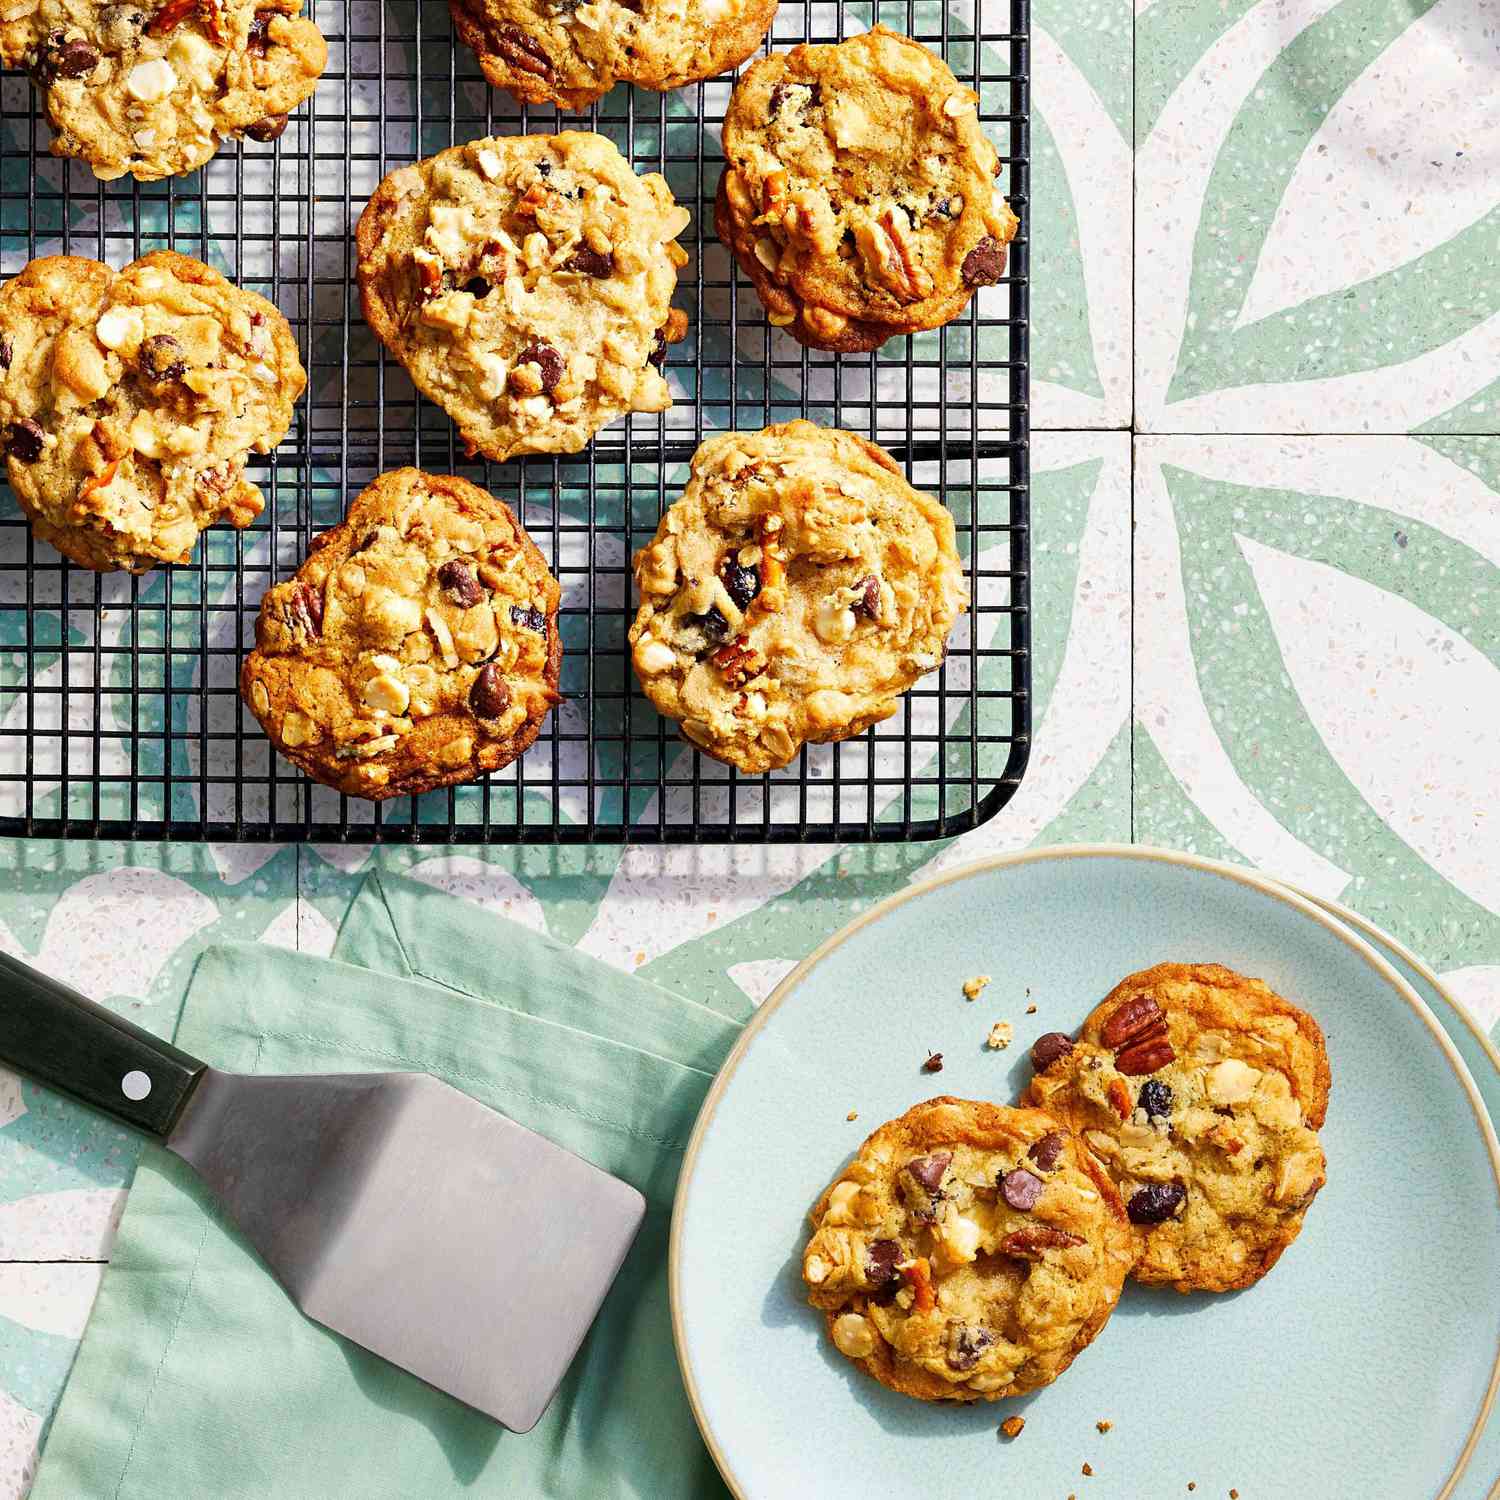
<point x="393" y="1208"/>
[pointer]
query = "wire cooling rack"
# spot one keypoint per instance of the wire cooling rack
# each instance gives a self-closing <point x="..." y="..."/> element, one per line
<point x="119" y="710"/>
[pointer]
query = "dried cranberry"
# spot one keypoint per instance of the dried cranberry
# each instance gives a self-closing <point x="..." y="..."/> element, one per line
<point x="457" y="580"/>
<point x="1047" y="1152"/>
<point x="741" y="583"/>
<point x="1021" y="1189"/>
<point x="658" y="354"/>
<point x="984" y="265"/>
<point x="868" y="603"/>
<point x="161" y="358"/>
<point x="965" y="1345"/>
<point x="547" y="360"/>
<point x="528" y="618"/>
<point x="272" y="128"/>
<point x="885" y="1256"/>
<point x="477" y="286"/>
<point x="928" y="1170"/>
<point x="490" y="695"/>
<point x="590" y="262"/>
<point x="1155" y="1098"/>
<point x="7" y="353"/>
<point x="1156" y="1202"/>
<point x="26" y="441"/>
<point x="943" y="209"/>
<point x="715" y="626"/>
<point x="1048" y="1047"/>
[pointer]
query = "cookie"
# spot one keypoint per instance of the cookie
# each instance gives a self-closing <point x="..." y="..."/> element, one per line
<point x="969" y="1252"/>
<point x="793" y="593"/>
<point x="1201" y="1092"/>
<point x="416" y="647"/>
<point x="153" y="89"/>
<point x="858" y="193"/>
<point x="525" y="282"/>
<point x="570" y="54"/>
<point x="129" y="401"/>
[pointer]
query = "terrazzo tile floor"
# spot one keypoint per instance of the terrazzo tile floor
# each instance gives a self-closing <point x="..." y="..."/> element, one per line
<point x="1267" y="578"/>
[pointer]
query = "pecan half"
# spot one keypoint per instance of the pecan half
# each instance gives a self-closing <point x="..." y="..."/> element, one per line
<point x="1145" y="1057"/>
<point x="1032" y="1242"/>
<point x="1137" y="1019"/>
<point x="522" y="52"/>
<point x="304" y="611"/>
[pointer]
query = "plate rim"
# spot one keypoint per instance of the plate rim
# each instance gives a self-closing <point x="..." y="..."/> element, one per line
<point x="1319" y="911"/>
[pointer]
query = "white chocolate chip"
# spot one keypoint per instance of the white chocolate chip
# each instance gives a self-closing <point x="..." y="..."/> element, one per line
<point x="196" y="56"/>
<point x="957" y="104"/>
<point x="386" y="691"/>
<point x="1231" y="1081"/>
<point x="151" y="80"/>
<point x="119" y="327"/>
<point x="144" y="436"/>
<point x="489" y="162"/>
<point x="652" y="657"/>
<point x="145" y="139"/>
<point x="298" y="729"/>
<point x="961" y="1238"/>
<point x="853" y="1336"/>
<point x="834" y="621"/>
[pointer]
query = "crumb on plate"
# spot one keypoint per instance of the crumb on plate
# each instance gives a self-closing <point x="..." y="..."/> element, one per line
<point x="1000" y="1034"/>
<point x="1012" y="1426"/>
<point x="934" y="1063"/>
<point x="974" y="987"/>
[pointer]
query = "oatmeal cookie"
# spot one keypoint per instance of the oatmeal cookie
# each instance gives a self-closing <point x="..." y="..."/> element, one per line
<point x="129" y="401"/>
<point x="525" y="282"/>
<point x="416" y="647"/>
<point x="793" y="593"/>
<point x="566" y="53"/>
<point x="969" y="1252"/>
<point x="153" y="89"/>
<point x="1200" y="1091"/>
<point x="858" y="192"/>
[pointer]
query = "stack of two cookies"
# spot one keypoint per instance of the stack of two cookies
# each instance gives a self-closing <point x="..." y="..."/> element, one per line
<point x="970" y="1250"/>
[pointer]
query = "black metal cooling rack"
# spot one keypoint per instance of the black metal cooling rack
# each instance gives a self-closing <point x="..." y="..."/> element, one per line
<point x="119" y="713"/>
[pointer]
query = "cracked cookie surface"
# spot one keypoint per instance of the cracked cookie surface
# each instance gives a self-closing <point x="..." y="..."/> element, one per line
<point x="153" y="89"/>
<point x="1201" y="1092"/>
<point x="525" y="283"/>
<point x="563" y="52"/>
<point x="969" y="1252"/>
<point x="858" y="192"/>
<point x="130" y="400"/>
<point x="793" y="593"/>
<point x="416" y="647"/>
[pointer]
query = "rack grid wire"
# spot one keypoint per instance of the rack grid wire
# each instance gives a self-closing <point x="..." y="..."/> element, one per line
<point x="119" y="707"/>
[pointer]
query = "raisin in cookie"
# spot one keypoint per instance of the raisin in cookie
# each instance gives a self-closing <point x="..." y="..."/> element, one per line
<point x="416" y="647"/>
<point x="129" y="402"/>
<point x="858" y="193"/>
<point x="152" y="89"/>
<point x="968" y="1252"/>
<point x="525" y="282"/>
<point x="567" y="53"/>
<point x="793" y="593"/>
<point x="1200" y="1091"/>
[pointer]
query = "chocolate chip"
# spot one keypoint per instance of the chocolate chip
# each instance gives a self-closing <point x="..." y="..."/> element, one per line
<point x="1021" y="1189"/>
<point x="965" y="1344"/>
<point x="547" y="360"/>
<point x="160" y="358"/>
<point x="1156" y="1202"/>
<point x="934" y="1063"/>
<point x="477" y="286"/>
<point x="868" y="603"/>
<point x="1047" y="1152"/>
<point x="457" y="580"/>
<point x="741" y="583"/>
<point x="944" y="208"/>
<point x="658" y="354"/>
<point x="715" y="626"/>
<point x="272" y="128"/>
<point x="522" y="52"/>
<point x="490" y="695"/>
<point x="880" y="1268"/>
<point x="528" y="619"/>
<point x="305" y="611"/>
<point x="7" y="353"/>
<point x="1048" y="1047"/>
<point x="74" y="58"/>
<point x="590" y="262"/>
<point x="25" y="442"/>
<point x="259" y="39"/>
<point x="1155" y="1098"/>
<point x="984" y="265"/>
<point x="928" y="1170"/>
<point x="784" y="91"/>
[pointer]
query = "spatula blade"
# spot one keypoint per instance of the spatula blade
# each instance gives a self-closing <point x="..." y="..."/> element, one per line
<point x="417" y="1222"/>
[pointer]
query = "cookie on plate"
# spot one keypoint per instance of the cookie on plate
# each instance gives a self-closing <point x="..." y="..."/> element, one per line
<point x="969" y="1252"/>
<point x="793" y="593"/>
<point x="571" y="54"/>
<point x="130" y="400"/>
<point x="416" y="647"/>
<point x="526" y="282"/>
<point x="858" y="193"/>
<point x="152" y="89"/>
<point x="1201" y="1092"/>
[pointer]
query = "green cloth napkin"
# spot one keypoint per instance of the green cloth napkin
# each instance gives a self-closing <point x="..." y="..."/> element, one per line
<point x="197" y="1377"/>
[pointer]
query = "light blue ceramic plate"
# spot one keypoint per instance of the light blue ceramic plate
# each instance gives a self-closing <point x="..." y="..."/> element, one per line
<point x="1362" y="1366"/>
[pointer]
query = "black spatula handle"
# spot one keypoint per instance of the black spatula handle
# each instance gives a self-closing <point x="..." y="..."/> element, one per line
<point x="57" y="1037"/>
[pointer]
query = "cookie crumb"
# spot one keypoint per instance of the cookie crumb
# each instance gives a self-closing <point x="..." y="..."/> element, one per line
<point x="1191" y="1485"/>
<point x="1012" y="1426"/>
<point x="1000" y="1034"/>
<point x="1031" y="1010"/>
<point x="974" y="987"/>
<point x="1088" y="1472"/>
<point x="934" y="1063"/>
<point x="1103" y="1426"/>
<point x="1234" y="1495"/>
<point x="852" y="1115"/>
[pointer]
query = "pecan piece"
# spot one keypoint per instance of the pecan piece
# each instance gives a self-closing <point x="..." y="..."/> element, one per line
<point x="737" y="661"/>
<point x="1144" y="1057"/>
<point x="918" y="1276"/>
<point x="1119" y="1097"/>
<point x="908" y="277"/>
<point x="522" y="52"/>
<point x="170" y="17"/>
<point x="304" y="611"/>
<point x="589" y="262"/>
<point x="1137" y="1019"/>
<point x="984" y="265"/>
<point x="1032" y="1242"/>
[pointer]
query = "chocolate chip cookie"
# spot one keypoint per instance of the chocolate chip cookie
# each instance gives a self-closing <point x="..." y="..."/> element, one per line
<point x="153" y="89"/>
<point x="969" y="1252"/>
<point x="525" y="282"/>
<point x="130" y="400"/>
<point x="1200" y="1092"/>
<point x="858" y="192"/>
<point x="793" y="593"/>
<point x="567" y="53"/>
<point x="416" y="647"/>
